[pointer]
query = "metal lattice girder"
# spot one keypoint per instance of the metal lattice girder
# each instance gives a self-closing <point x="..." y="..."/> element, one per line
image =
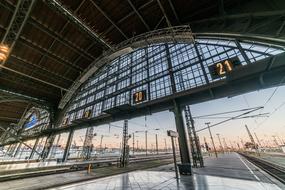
<point x="164" y="13"/>
<point x="174" y="11"/>
<point x="194" y="140"/>
<point x="57" y="36"/>
<point x="48" y="146"/>
<point x="57" y="58"/>
<point x="109" y="19"/>
<point x="128" y="16"/>
<point x="9" y="96"/>
<point x="36" y="23"/>
<point x="61" y="9"/>
<point x="87" y="145"/>
<point x="178" y="34"/>
<point x="4" y="132"/>
<point x="266" y="27"/>
<point x="250" y="137"/>
<point x="139" y="15"/>
<point x="20" y="17"/>
<point x="34" y="66"/>
<point x="125" y="147"/>
<point x="11" y="131"/>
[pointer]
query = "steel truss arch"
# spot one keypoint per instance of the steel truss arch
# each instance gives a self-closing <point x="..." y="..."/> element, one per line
<point x="170" y="70"/>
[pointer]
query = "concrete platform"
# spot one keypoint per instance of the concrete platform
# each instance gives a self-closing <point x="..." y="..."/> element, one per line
<point x="228" y="172"/>
<point x="18" y="166"/>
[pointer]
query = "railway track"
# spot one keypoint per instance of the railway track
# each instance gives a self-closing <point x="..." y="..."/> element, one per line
<point x="272" y="169"/>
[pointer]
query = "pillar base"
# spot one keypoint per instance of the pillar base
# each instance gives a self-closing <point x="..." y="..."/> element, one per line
<point x="185" y="169"/>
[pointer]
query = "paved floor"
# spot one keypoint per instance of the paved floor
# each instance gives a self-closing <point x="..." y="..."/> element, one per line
<point x="228" y="172"/>
<point x="55" y="180"/>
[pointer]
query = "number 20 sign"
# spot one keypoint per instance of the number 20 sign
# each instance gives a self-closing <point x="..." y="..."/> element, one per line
<point x="221" y="68"/>
<point x="139" y="96"/>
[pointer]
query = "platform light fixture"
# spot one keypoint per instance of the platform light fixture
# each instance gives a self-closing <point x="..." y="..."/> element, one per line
<point x="4" y="50"/>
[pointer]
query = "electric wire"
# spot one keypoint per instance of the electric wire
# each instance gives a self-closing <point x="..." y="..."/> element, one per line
<point x="232" y="118"/>
<point x="234" y="111"/>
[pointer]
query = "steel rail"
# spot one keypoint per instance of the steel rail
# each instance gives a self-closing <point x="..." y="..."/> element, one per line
<point x="272" y="169"/>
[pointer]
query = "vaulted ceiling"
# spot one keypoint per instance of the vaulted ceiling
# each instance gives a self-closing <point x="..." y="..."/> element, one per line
<point x="52" y="49"/>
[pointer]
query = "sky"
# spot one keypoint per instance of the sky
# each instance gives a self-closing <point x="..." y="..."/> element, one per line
<point x="233" y="131"/>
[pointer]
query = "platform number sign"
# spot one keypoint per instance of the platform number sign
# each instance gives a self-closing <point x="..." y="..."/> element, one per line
<point x="139" y="96"/>
<point x="224" y="67"/>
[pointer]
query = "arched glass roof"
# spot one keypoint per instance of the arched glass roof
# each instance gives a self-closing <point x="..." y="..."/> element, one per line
<point x="34" y="121"/>
<point x="158" y="71"/>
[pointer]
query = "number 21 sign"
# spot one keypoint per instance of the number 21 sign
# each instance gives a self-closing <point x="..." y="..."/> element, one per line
<point x="224" y="67"/>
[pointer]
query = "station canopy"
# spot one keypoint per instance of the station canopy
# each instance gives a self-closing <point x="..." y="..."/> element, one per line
<point x="52" y="43"/>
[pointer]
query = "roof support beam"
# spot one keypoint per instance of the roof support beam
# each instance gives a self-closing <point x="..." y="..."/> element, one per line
<point x="174" y="11"/>
<point x="41" y="75"/>
<point x="31" y="77"/>
<point x="164" y="13"/>
<point x="9" y="118"/>
<point x="22" y="96"/>
<point x="221" y="7"/>
<point x="61" y="39"/>
<point x="251" y="30"/>
<point x="22" y="120"/>
<point x="59" y="7"/>
<point x="18" y="21"/>
<point x="16" y="97"/>
<point x="129" y="15"/>
<point x="34" y="89"/>
<point x="36" y="66"/>
<point x="281" y="28"/>
<point x="109" y="19"/>
<point x="159" y="22"/>
<point x="17" y="138"/>
<point x="46" y="52"/>
<point x="139" y="15"/>
<point x="49" y="54"/>
<point x="33" y="21"/>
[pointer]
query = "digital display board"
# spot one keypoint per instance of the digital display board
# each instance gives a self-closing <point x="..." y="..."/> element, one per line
<point x="87" y="114"/>
<point x="224" y="67"/>
<point x="65" y="121"/>
<point x="32" y="121"/>
<point x="139" y="96"/>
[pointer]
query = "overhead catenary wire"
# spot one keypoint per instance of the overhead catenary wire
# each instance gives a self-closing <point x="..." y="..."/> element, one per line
<point x="232" y="118"/>
<point x="222" y="113"/>
<point x="272" y="113"/>
<point x="274" y="92"/>
<point x="250" y="116"/>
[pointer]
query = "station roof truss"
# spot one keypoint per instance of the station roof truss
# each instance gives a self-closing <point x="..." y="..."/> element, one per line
<point x="52" y="43"/>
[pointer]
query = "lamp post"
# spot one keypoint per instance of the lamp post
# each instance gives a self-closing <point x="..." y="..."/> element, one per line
<point x="145" y="140"/>
<point x="220" y="142"/>
<point x="165" y="145"/>
<point x="156" y="137"/>
<point x="208" y="125"/>
<point x="156" y="143"/>
<point x="146" y="143"/>
<point x="133" y="143"/>
<point x="137" y="145"/>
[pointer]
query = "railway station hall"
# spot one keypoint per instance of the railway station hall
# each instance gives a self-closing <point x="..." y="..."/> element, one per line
<point x="142" y="94"/>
